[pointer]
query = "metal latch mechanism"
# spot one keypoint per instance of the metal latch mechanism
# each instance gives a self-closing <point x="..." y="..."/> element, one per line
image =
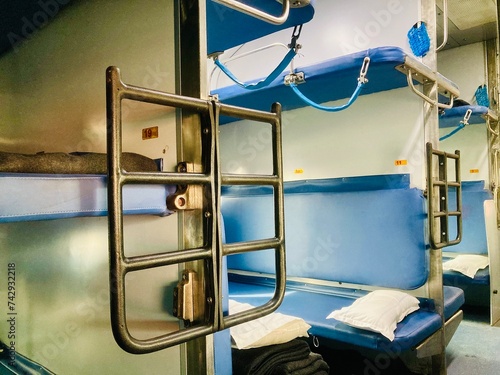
<point x="185" y="297"/>
<point x="187" y="197"/>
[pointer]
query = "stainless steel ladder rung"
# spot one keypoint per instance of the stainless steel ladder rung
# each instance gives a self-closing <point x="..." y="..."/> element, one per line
<point x="442" y="213"/>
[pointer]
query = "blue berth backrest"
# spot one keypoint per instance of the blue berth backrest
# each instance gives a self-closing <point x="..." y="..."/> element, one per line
<point x="365" y="230"/>
<point x="473" y="225"/>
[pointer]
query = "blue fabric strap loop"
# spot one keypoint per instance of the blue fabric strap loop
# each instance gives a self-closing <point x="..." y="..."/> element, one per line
<point x="324" y="108"/>
<point x="361" y="82"/>
<point x="454" y="131"/>
<point x="460" y="126"/>
<point x="263" y="83"/>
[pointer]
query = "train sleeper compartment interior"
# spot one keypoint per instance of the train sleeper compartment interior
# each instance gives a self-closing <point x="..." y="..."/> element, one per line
<point x="59" y="186"/>
<point x="469" y="269"/>
<point x="335" y="79"/>
<point x="341" y="233"/>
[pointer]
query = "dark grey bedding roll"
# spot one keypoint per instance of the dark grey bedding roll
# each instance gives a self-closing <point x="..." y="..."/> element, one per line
<point x="72" y="163"/>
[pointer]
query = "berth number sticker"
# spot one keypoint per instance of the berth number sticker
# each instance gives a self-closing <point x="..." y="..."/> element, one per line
<point x="150" y="133"/>
<point x="474" y="171"/>
<point x="298" y="171"/>
<point x="399" y="163"/>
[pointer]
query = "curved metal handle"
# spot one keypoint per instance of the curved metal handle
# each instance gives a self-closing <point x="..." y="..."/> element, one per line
<point x="445" y="26"/>
<point x="263" y="16"/>
<point x="424" y="97"/>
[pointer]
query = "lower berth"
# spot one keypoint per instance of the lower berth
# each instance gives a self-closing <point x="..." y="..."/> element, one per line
<point x="314" y="304"/>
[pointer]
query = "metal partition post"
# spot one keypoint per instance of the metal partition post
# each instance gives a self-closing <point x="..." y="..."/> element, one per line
<point x="209" y="179"/>
<point x="443" y="213"/>
<point x="437" y="363"/>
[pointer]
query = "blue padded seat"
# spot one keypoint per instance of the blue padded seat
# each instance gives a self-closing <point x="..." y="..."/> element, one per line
<point x="336" y="228"/>
<point x="315" y="305"/>
<point x="477" y="289"/>
<point x="366" y="230"/>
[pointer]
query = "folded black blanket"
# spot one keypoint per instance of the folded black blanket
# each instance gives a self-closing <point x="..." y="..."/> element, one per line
<point x="72" y="163"/>
<point x="313" y="365"/>
<point x="293" y="357"/>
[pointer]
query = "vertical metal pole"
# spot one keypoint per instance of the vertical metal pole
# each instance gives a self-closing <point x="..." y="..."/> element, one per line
<point x="492" y="68"/>
<point x="431" y="126"/>
<point x="191" y="81"/>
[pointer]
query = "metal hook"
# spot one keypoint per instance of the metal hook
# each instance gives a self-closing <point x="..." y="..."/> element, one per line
<point x="295" y="35"/>
<point x="466" y="119"/>
<point x="364" y="70"/>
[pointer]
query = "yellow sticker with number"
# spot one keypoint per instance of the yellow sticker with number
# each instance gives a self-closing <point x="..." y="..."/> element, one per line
<point x="150" y="133"/>
<point x="399" y="163"/>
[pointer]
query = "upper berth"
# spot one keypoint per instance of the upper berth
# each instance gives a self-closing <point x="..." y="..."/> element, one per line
<point x="59" y="186"/>
<point x="222" y="22"/>
<point x="335" y="79"/>
<point x="478" y="115"/>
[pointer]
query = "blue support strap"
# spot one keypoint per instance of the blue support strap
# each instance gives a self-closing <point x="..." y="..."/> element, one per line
<point x="460" y="126"/>
<point x="263" y="83"/>
<point x="361" y="82"/>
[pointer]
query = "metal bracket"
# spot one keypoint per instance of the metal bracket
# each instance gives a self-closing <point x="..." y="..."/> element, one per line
<point x="185" y="297"/>
<point x="296" y="78"/>
<point x="187" y="197"/>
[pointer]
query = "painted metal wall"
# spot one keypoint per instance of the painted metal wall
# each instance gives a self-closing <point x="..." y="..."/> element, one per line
<point x="52" y="90"/>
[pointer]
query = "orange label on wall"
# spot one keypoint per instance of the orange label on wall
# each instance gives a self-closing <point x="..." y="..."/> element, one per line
<point x="150" y="133"/>
<point x="398" y="163"/>
<point x="298" y="171"/>
<point x="474" y="171"/>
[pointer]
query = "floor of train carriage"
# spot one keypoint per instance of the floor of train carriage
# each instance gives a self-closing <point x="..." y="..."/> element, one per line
<point x="473" y="349"/>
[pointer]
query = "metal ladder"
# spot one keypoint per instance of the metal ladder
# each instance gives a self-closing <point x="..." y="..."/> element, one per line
<point x="205" y="186"/>
<point x="438" y="190"/>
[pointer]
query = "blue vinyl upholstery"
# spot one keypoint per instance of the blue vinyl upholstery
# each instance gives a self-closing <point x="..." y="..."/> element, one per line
<point x="452" y="117"/>
<point x="336" y="229"/>
<point x="28" y="197"/>
<point x="363" y="230"/>
<point x="314" y="305"/>
<point x="477" y="289"/>
<point x="227" y="28"/>
<point x="330" y="80"/>
<point x="473" y="225"/>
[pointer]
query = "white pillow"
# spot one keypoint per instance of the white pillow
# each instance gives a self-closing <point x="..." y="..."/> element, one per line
<point x="378" y="311"/>
<point x="275" y="328"/>
<point x="468" y="264"/>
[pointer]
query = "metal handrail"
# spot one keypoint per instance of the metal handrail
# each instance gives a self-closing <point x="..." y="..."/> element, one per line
<point x="442" y="213"/>
<point x="212" y="251"/>
<point x="445" y="26"/>
<point x="254" y="12"/>
<point x="409" y="78"/>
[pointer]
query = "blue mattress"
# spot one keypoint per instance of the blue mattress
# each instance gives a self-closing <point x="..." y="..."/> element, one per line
<point x="314" y="307"/>
<point x="452" y="117"/>
<point x="330" y="80"/>
<point x="227" y="28"/>
<point x="28" y="197"/>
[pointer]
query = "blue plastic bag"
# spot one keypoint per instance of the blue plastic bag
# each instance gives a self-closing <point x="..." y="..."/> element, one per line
<point x="419" y="40"/>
